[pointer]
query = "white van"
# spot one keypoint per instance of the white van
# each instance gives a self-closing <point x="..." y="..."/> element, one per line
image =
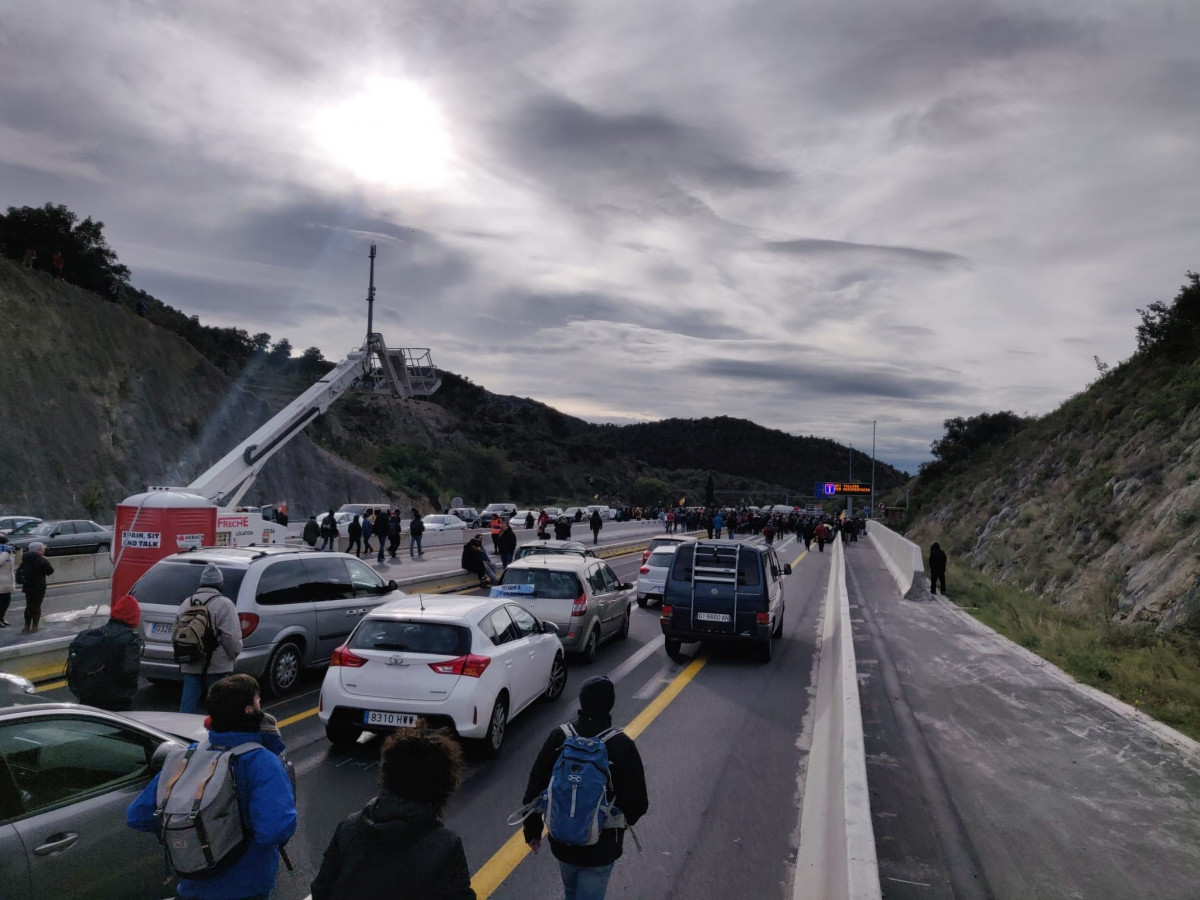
<point x="605" y="512"/>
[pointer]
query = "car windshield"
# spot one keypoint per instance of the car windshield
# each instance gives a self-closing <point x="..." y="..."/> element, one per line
<point x="661" y="558"/>
<point x="412" y="637"/>
<point x="36" y="528"/>
<point x="546" y="584"/>
<point x="172" y="583"/>
<point x="537" y="549"/>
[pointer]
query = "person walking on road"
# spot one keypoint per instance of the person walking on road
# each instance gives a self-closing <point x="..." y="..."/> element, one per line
<point x="595" y="523"/>
<point x="7" y="582"/>
<point x="821" y="533"/>
<point x="32" y="573"/>
<point x="103" y="663"/>
<point x="586" y="870"/>
<point x="265" y="798"/>
<point x="416" y="530"/>
<point x="398" y="838"/>
<point x="393" y="532"/>
<point x="199" y="677"/>
<point x="368" y="528"/>
<point x="507" y="542"/>
<point x="329" y="532"/>
<point x="354" y="536"/>
<point x="937" y="567"/>
<point x="312" y="531"/>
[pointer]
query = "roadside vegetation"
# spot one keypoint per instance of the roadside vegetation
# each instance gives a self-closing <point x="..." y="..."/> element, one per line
<point x="1157" y="673"/>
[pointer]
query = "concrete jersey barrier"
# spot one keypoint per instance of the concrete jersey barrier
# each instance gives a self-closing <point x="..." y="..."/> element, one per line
<point x="902" y="558"/>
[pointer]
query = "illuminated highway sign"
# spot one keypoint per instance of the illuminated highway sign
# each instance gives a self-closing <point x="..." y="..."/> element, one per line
<point x="826" y="489"/>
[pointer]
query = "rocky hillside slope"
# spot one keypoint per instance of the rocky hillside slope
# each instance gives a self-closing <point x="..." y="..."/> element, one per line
<point x="96" y="404"/>
<point x="1095" y="506"/>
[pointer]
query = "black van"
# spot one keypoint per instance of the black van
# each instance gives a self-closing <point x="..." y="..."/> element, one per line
<point x="726" y="591"/>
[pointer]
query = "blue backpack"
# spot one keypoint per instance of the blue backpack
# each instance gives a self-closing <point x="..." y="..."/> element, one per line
<point x="575" y="804"/>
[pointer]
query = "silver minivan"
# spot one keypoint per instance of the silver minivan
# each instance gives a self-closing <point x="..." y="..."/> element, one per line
<point x="582" y="596"/>
<point x="295" y="607"/>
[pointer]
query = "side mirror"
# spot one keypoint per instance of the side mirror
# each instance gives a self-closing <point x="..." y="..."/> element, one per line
<point x="392" y="586"/>
<point x="625" y="586"/>
<point x="549" y="628"/>
<point x="787" y="568"/>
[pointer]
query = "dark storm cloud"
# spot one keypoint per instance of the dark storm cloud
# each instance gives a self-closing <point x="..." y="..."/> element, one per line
<point x="855" y="380"/>
<point x="554" y="137"/>
<point x="816" y="248"/>
<point x="557" y="310"/>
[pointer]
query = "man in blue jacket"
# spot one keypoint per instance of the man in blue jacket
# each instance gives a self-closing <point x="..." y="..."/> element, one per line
<point x="264" y="796"/>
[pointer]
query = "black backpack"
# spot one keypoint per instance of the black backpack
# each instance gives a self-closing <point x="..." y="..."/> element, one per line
<point x="88" y="658"/>
<point x="194" y="638"/>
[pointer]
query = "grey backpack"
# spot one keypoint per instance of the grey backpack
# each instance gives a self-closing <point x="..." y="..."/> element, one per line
<point x="200" y="819"/>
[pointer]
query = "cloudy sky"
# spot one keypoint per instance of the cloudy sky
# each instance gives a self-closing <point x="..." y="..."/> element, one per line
<point x="814" y="215"/>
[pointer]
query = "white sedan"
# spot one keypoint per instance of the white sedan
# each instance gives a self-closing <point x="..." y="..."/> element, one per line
<point x="653" y="573"/>
<point x="469" y="663"/>
<point x="436" y="522"/>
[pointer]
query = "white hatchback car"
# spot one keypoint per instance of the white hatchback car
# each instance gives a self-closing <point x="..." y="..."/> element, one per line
<point x="438" y="522"/>
<point x="469" y="663"/>
<point x="653" y="573"/>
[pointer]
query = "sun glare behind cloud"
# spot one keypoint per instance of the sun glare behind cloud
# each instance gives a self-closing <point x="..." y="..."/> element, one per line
<point x="390" y="133"/>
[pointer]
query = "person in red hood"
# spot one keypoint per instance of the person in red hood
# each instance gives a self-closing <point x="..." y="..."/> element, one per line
<point x="103" y="663"/>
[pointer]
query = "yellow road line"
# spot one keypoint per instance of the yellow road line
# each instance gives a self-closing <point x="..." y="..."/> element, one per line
<point x="51" y="686"/>
<point x="298" y="717"/>
<point x="796" y="561"/>
<point x="493" y="872"/>
<point x="45" y="672"/>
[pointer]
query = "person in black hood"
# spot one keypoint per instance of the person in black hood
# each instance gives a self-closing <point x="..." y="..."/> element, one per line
<point x="586" y="870"/>
<point x="937" y="567"/>
<point x="396" y="846"/>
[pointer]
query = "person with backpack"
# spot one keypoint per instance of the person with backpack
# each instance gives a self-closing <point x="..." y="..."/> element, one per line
<point x="585" y="846"/>
<point x="32" y="573"/>
<point x="103" y="663"/>
<point x="396" y="845"/>
<point x="227" y="847"/>
<point x="311" y="532"/>
<point x="207" y="638"/>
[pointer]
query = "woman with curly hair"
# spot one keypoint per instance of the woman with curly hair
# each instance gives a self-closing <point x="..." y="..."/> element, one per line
<point x="396" y="846"/>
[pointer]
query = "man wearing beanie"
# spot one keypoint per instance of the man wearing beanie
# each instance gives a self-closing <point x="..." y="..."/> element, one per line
<point x="32" y="573"/>
<point x="102" y="663"/>
<point x="586" y="870"/>
<point x="198" y="677"/>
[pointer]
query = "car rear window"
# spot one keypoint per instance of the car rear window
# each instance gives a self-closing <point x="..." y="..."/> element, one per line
<point x="661" y="558"/>
<point x="715" y="558"/>
<point x="412" y="637"/>
<point x="170" y="583"/>
<point x="551" y="585"/>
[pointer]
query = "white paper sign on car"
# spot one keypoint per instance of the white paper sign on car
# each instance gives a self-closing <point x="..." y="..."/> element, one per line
<point x="189" y="541"/>
<point x="146" y="540"/>
<point x="508" y="590"/>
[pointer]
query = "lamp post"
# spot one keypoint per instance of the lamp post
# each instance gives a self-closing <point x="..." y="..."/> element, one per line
<point x="872" y="467"/>
<point x="850" y="497"/>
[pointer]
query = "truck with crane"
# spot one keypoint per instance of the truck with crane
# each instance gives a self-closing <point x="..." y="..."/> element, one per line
<point x="164" y="519"/>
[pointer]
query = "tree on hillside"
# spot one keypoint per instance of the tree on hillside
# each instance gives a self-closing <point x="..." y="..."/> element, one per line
<point x="1172" y="330"/>
<point x="965" y="436"/>
<point x="88" y="260"/>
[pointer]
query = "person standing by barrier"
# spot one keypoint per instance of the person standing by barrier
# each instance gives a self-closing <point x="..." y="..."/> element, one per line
<point x="507" y="542"/>
<point x="312" y="531"/>
<point x="393" y="532"/>
<point x="416" y="530"/>
<point x="595" y="523"/>
<point x="7" y="583"/>
<point x="937" y="567"/>
<point x="32" y="573"/>
<point x="354" y="536"/>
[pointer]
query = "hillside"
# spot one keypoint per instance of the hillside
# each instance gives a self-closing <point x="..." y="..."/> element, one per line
<point x="1094" y="506"/>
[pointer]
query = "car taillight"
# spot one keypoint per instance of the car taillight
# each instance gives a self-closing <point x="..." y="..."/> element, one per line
<point x="645" y="555"/>
<point x="248" y="621"/>
<point x="762" y="618"/>
<point x="343" y="657"/>
<point x="666" y="612"/>
<point x="470" y="665"/>
<point x="579" y="607"/>
<point x="644" y="570"/>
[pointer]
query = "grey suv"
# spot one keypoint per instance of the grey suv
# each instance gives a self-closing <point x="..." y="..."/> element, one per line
<point x="582" y="596"/>
<point x="295" y="606"/>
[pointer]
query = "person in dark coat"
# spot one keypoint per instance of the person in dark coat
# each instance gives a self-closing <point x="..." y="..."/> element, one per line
<point x="329" y="532"/>
<point x="529" y="520"/>
<point x="32" y="573"/>
<point x="507" y="542"/>
<point x="475" y="560"/>
<point x="354" y="533"/>
<point x="562" y="529"/>
<point x="416" y="530"/>
<point x="112" y="685"/>
<point x="937" y="567"/>
<point x="367" y="527"/>
<point x="589" y="867"/>
<point x="396" y="845"/>
<point x="595" y="523"/>
<point x="312" y="531"/>
<point x="393" y="533"/>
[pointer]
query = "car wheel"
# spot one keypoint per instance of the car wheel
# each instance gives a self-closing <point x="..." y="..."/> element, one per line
<point x="283" y="669"/>
<point x="673" y="646"/>
<point x="592" y="646"/>
<point x="558" y="680"/>
<point x="103" y="548"/>
<point x="778" y="632"/>
<point x="342" y="736"/>
<point x="641" y="601"/>
<point x="766" y="650"/>
<point x="624" y="632"/>
<point x="494" y="738"/>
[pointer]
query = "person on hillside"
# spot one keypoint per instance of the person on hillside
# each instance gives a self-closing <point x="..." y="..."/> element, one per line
<point x="937" y="568"/>
<point x="199" y="677"/>
<point x="32" y="573"/>
<point x="312" y="532"/>
<point x="507" y="542"/>
<point x="30" y="259"/>
<point x="354" y="536"/>
<point x="416" y="530"/>
<point x="7" y="582"/>
<point x="586" y="870"/>
<point x="265" y="797"/>
<point x="397" y="845"/>
<point x="595" y="523"/>
<point x="103" y="663"/>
